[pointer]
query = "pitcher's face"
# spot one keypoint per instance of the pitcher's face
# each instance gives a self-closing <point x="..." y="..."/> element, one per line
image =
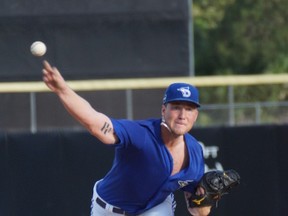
<point x="179" y="116"/>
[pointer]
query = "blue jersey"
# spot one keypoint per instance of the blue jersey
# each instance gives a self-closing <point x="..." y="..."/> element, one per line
<point x="140" y="177"/>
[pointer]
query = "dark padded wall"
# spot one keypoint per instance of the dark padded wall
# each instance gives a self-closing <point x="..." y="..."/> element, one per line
<point x="52" y="174"/>
<point x="95" y="39"/>
<point x="43" y="174"/>
<point x="259" y="154"/>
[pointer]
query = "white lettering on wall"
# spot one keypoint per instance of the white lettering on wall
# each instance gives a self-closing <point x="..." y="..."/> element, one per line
<point x="211" y="152"/>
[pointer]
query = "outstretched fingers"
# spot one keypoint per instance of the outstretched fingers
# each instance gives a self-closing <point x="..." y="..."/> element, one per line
<point x="51" y="76"/>
<point x="49" y="70"/>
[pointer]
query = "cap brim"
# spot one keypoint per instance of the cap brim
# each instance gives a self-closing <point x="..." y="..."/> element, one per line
<point x="182" y="100"/>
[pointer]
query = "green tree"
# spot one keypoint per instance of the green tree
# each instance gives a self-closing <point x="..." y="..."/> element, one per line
<point x="240" y="37"/>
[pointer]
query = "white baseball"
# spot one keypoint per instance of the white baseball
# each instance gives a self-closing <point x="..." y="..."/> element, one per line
<point x="38" y="48"/>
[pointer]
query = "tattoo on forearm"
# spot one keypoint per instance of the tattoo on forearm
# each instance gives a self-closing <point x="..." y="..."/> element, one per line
<point x="106" y="128"/>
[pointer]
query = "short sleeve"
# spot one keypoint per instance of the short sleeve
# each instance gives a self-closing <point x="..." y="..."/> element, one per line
<point x="129" y="133"/>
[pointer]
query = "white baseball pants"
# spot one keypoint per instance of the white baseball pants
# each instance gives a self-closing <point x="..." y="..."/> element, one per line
<point x="165" y="208"/>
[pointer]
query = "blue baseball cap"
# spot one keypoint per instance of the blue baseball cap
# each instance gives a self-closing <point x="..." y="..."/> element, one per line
<point x="181" y="92"/>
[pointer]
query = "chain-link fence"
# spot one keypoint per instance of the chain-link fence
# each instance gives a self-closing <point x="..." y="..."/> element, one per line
<point x="225" y="101"/>
<point x="243" y="114"/>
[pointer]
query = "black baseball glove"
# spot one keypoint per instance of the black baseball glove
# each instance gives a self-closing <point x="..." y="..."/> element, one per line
<point x="215" y="184"/>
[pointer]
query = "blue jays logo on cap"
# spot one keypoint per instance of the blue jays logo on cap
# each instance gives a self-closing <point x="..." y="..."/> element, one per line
<point x="185" y="91"/>
<point x="181" y="92"/>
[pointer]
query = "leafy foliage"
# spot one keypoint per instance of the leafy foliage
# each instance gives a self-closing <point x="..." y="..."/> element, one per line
<point x="240" y="37"/>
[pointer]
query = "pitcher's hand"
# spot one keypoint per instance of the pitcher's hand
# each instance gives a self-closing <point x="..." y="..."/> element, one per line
<point x="52" y="78"/>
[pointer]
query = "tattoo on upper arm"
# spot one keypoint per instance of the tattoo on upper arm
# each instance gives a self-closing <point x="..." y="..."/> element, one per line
<point x="106" y="128"/>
